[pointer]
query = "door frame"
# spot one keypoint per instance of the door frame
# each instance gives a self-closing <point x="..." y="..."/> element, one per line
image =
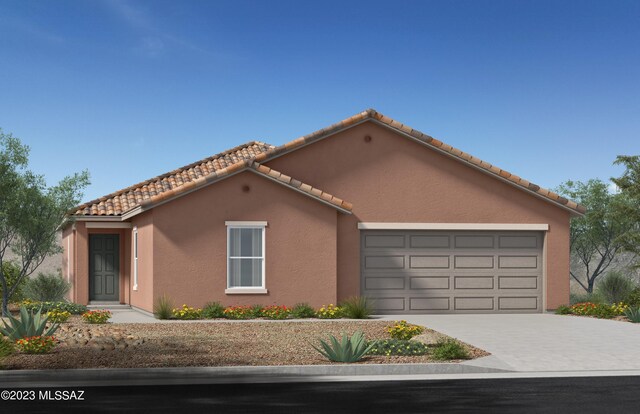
<point x="119" y="266"/>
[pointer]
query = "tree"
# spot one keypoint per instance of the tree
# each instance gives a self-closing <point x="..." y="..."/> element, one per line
<point x="629" y="185"/>
<point x="599" y="236"/>
<point x="30" y="212"/>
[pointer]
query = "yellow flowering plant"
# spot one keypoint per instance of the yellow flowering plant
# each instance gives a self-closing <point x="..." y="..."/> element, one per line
<point x="57" y="315"/>
<point x="404" y="330"/>
<point x="329" y="312"/>
<point x="186" y="313"/>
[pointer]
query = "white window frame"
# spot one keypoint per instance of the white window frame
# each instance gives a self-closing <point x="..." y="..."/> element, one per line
<point x="262" y="225"/>
<point x="135" y="258"/>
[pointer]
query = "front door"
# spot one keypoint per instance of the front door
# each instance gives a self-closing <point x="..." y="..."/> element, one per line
<point x="104" y="265"/>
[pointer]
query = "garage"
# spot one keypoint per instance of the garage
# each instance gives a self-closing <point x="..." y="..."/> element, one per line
<point x="406" y="271"/>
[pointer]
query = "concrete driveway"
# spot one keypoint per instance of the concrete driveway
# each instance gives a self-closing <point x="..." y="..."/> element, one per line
<point x="543" y="342"/>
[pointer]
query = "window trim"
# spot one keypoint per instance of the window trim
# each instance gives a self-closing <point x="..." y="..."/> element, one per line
<point x="135" y="257"/>
<point x="262" y="225"/>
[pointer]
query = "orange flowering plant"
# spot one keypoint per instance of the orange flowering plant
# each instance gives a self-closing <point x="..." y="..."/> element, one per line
<point x="36" y="344"/>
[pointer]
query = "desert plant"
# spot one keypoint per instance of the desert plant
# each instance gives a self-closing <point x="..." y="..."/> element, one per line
<point x="275" y="312"/>
<point x="633" y="299"/>
<point x="30" y="324"/>
<point x="72" y="308"/>
<point x="96" y="316"/>
<point x="11" y="273"/>
<point x="391" y="347"/>
<point x="213" y="310"/>
<point x="329" y="312"/>
<point x="6" y="348"/>
<point x="633" y="314"/>
<point x="598" y="310"/>
<point x="58" y="316"/>
<point x="585" y="297"/>
<point x="350" y="349"/>
<point x="36" y="344"/>
<point x="47" y="287"/>
<point x="186" y="313"/>
<point x="615" y="287"/>
<point x="563" y="310"/>
<point x="238" y="312"/>
<point x="357" y="307"/>
<point x="447" y="349"/>
<point x="256" y="311"/>
<point x="162" y="307"/>
<point x="404" y="330"/>
<point x="302" y="310"/>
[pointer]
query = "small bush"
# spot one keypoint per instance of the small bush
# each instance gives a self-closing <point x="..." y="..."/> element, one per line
<point x="619" y="308"/>
<point x="391" y="347"/>
<point x="350" y="349"/>
<point x="615" y="287"/>
<point x="633" y="299"/>
<point x="599" y="310"/>
<point x="357" y="307"/>
<point x="403" y="330"/>
<point x="447" y="349"/>
<point x="575" y="298"/>
<point x="563" y="310"/>
<point x="96" y="316"/>
<point x="36" y="344"/>
<point x="303" y="310"/>
<point x="58" y="316"/>
<point x="11" y="271"/>
<point x="163" y="307"/>
<point x="6" y="348"/>
<point x="275" y="312"/>
<point x="329" y="312"/>
<point x="186" y="313"/>
<point x="47" y="287"/>
<point x="72" y="308"/>
<point x="213" y="310"/>
<point x="256" y="311"/>
<point x="238" y="312"/>
<point x="633" y="314"/>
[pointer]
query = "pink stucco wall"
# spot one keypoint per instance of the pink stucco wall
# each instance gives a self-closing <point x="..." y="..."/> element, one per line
<point x="143" y="297"/>
<point x="392" y="179"/>
<point x="190" y="244"/>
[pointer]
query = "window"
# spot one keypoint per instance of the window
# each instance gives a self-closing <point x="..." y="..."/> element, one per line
<point x="135" y="258"/>
<point x="245" y="250"/>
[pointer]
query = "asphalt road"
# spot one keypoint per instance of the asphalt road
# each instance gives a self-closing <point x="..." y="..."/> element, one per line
<point x="539" y="395"/>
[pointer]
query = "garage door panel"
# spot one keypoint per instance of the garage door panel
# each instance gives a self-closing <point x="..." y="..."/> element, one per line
<point x="441" y="303"/>
<point x="430" y="282"/>
<point x="473" y="262"/>
<point x="429" y="262"/>
<point x="384" y="262"/>
<point x="452" y="272"/>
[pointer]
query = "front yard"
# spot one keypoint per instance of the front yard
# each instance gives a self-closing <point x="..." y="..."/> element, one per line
<point x="179" y="344"/>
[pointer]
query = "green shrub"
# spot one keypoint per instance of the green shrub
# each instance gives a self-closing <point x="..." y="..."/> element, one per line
<point x="633" y="299"/>
<point x="615" y="287"/>
<point x="213" y="310"/>
<point x="72" y="308"/>
<point x="357" y="307"/>
<point x="599" y="310"/>
<point x="275" y="312"/>
<point x="96" y="316"/>
<point x="350" y="349"/>
<point x="447" y="349"/>
<point x="36" y="344"/>
<point x="404" y="330"/>
<point x="585" y="297"/>
<point x="162" y="308"/>
<point x="186" y="313"/>
<point x="6" y="348"/>
<point x="30" y="324"/>
<point x="303" y="310"/>
<point x="391" y="347"/>
<point x="238" y="312"/>
<point x="11" y="271"/>
<point x="633" y="314"/>
<point x="256" y="311"/>
<point x="47" y="287"/>
<point x="563" y="310"/>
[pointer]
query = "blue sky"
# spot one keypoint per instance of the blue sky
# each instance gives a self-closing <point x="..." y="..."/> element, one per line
<point x="130" y="90"/>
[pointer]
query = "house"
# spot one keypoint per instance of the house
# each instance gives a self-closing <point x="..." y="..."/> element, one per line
<point x="367" y="206"/>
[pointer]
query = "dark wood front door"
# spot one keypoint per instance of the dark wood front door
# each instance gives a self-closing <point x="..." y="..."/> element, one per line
<point x="104" y="266"/>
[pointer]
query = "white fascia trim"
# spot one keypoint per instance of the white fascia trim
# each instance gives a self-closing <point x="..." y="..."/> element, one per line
<point x="452" y="226"/>
<point x="108" y="225"/>
<point x="246" y="223"/>
<point x="245" y="291"/>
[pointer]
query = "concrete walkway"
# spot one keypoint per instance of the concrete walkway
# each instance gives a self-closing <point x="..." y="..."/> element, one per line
<point x="543" y="342"/>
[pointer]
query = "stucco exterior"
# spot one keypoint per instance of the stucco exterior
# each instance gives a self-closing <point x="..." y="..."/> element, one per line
<point x="312" y="249"/>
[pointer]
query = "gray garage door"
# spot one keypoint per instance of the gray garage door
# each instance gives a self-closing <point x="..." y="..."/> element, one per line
<point x="452" y="272"/>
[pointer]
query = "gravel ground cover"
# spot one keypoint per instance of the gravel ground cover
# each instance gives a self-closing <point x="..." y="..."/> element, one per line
<point x="201" y="344"/>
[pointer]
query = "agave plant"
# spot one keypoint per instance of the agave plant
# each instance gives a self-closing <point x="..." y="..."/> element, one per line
<point x="30" y="324"/>
<point x="633" y="314"/>
<point x="348" y="350"/>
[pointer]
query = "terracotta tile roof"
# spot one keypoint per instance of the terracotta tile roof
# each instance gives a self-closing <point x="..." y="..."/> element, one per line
<point x="180" y="179"/>
<point x="371" y="114"/>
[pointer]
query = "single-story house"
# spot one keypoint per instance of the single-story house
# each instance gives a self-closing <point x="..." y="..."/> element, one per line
<point x="367" y="206"/>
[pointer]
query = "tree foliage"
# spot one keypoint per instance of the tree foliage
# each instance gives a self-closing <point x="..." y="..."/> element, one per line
<point x="31" y="213"/>
<point x="629" y="185"/>
<point x="601" y="234"/>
